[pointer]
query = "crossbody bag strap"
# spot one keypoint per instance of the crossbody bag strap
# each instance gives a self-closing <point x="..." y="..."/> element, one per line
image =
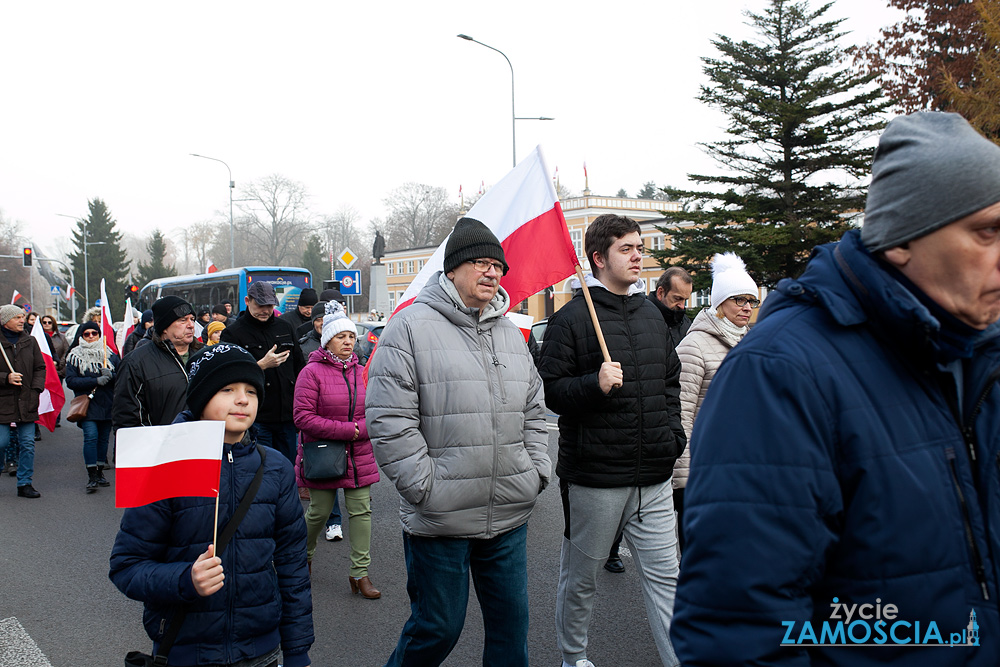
<point x="160" y="659"/>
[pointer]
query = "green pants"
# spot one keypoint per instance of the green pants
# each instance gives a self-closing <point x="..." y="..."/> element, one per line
<point x="357" y="503"/>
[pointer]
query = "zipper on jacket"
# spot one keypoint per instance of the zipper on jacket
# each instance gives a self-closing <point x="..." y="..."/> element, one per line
<point x="496" y="444"/>
<point x="977" y="560"/>
<point x="230" y="597"/>
<point x="352" y="408"/>
<point x="638" y="385"/>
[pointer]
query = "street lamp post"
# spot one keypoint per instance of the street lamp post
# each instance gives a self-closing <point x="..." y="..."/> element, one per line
<point x="86" y="282"/>
<point x="232" y="184"/>
<point x="513" y="117"/>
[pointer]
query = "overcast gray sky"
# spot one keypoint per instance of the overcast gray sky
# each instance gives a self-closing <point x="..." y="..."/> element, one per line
<point x="107" y="99"/>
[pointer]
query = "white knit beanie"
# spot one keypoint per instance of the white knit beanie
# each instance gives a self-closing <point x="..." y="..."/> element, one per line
<point x="335" y="321"/>
<point x="730" y="278"/>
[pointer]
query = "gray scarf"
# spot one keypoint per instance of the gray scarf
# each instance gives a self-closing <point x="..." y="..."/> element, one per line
<point x="87" y="356"/>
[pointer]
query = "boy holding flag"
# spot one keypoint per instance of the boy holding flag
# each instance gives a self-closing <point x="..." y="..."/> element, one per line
<point x="164" y="554"/>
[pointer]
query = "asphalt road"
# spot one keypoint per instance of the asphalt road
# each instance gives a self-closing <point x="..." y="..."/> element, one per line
<point x="54" y="581"/>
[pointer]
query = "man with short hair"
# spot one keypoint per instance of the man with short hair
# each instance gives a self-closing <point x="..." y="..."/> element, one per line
<point x="455" y="412"/>
<point x="673" y="290"/>
<point x="272" y="342"/>
<point x="230" y="318"/>
<point x="619" y="435"/>
<point x="22" y="381"/>
<point x="302" y="314"/>
<point x="845" y="469"/>
<point x="220" y="314"/>
<point x="151" y="386"/>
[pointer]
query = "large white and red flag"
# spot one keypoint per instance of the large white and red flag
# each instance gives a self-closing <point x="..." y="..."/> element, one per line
<point x="524" y="213"/>
<point x="158" y="462"/>
<point x="128" y="325"/>
<point x="107" y="322"/>
<point x="52" y="398"/>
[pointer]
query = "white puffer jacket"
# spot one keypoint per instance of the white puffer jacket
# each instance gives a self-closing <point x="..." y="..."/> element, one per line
<point x="701" y="352"/>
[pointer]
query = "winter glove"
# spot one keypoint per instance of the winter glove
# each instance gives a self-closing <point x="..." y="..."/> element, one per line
<point x="106" y="371"/>
<point x="103" y="380"/>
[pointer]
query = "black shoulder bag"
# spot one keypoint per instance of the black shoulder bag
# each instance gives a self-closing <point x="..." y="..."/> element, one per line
<point x="139" y="659"/>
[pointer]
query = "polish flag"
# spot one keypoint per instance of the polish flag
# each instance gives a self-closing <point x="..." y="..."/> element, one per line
<point x="52" y="398"/>
<point x="70" y="291"/>
<point x="523" y="322"/>
<point x="128" y="327"/>
<point x="524" y="213"/>
<point x="158" y="462"/>
<point x="107" y="322"/>
<point x="13" y="299"/>
<point x="211" y="267"/>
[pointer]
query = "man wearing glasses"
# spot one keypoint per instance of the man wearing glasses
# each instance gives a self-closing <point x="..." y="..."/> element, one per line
<point x="847" y="455"/>
<point x="619" y="436"/>
<point x="455" y="413"/>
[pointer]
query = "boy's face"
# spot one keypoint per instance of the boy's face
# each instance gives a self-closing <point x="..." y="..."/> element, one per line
<point x="235" y="404"/>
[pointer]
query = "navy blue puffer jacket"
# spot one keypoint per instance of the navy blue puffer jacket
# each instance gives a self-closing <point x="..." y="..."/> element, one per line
<point x="266" y="597"/>
<point x="833" y="461"/>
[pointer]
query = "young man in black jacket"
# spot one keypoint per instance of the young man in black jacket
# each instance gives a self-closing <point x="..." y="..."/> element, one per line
<point x="272" y="342"/>
<point x="619" y="435"/>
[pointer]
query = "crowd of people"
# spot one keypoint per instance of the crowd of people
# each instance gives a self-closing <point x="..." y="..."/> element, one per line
<point x="847" y="449"/>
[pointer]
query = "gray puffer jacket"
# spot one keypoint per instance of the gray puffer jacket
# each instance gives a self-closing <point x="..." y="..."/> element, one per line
<point x="456" y="414"/>
<point x="701" y="352"/>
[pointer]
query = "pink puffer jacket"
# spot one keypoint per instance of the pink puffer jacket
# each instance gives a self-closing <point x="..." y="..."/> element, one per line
<point x="323" y="393"/>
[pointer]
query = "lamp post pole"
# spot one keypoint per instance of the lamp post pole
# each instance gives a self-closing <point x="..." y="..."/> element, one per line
<point x="232" y="184"/>
<point x="513" y="117"/>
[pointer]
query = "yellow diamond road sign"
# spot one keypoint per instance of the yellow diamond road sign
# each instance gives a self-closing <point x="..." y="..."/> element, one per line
<point x="347" y="258"/>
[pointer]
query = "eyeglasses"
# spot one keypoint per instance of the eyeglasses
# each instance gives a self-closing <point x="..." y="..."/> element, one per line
<point x="90" y="333"/>
<point x="483" y="265"/>
<point x="742" y="301"/>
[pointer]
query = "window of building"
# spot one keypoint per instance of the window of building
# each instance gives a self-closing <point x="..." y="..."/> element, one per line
<point x="576" y="235"/>
<point x="656" y="242"/>
<point x="420" y="265"/>
<point x="389" y="268"/>
<point x="703" y="298"/>
<point x="392" y="301"/>
<point x="409" y="266"/>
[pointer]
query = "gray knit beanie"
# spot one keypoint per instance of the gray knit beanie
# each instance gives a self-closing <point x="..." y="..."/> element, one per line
<point x="930" y="169"/>
<point x="8" y="312"/>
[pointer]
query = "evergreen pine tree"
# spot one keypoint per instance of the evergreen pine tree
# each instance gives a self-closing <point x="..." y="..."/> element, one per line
<point x="105" y="257"/>
<point x="317" y="261"/>
<point x="797" y="116"/>
<point x="156" y="246"/>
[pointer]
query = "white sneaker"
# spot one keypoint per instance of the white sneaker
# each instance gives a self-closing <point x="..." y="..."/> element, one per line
<point x="335" y="534"/>
<point x="579" y="663"/>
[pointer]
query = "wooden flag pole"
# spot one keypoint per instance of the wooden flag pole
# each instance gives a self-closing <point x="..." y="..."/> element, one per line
<point x="215" y="529"/>
<point x="593" y="313"/>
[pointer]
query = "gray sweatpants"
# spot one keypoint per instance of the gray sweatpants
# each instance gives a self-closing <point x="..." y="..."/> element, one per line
<point x="593" y="518"/>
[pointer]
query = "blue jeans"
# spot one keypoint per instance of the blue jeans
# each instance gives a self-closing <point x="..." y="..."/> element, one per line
<point x="437" y="581"/>
<point x="280" y="436"/>
<point x="26" y="442"/>
<point x="96" y="433"/>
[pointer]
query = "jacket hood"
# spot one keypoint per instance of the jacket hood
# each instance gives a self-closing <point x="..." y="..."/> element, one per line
<point x="441" y="295"/>
<point x="706" y="321"/>
<point x="635" y="288"/>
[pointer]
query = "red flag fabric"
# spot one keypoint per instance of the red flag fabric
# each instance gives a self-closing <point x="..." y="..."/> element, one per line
<point x="210" y="267"/>
<point x="107" y="326"/>
<point x="158" y="462"/>
<point x="128" y="325"/>
<point x="13" y="299"/>
<point x="52" y="398"/>
<point x="524" y="213"/>
<point x="70" y="291"/>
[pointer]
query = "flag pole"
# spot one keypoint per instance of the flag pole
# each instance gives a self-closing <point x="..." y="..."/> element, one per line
<point x="593" y="314"/>
<point x="215" y="529"/>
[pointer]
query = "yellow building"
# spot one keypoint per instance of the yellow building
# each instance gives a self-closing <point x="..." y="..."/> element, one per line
<point x="402" y="266"/>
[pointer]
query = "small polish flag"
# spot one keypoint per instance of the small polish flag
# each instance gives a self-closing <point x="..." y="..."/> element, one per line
<point x="107" y="322"/>
<point x="159" y="462"/>
<point x="129" y="325"/>
<point x="52" y="398"/>
<point x="211" y="267"/>
<point x="13" y="299"/>
<point x="70" y="291"/>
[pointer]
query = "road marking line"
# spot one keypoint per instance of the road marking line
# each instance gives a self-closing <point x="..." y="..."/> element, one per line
<point x="17" y="648"/>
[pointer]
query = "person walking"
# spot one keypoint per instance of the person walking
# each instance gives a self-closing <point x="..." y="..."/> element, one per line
<point x="330" y="405"/>
<point x="90" y="371"/>
<point x="714" y="332"/>
<point x="455" y="410"/>
<point x="22" y="381"/>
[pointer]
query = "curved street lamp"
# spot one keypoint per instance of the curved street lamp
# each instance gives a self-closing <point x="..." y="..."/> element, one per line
<point x="232" y="184"/>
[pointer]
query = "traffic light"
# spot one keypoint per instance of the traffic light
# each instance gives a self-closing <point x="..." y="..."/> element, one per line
<point x="27" y="257"/>
<point x="132" y="292"/>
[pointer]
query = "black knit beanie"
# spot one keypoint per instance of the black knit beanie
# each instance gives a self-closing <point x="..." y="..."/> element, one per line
<point x="471" y="239"/>
<point x="308" y="297"/>
<point x="214" y="367"/>
<point x="147" y="316"/>
<point x="168" y="310"/>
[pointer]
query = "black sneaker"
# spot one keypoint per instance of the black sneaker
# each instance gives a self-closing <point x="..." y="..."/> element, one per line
<point x="615" y="565"/>
<point x="27" y="491"/>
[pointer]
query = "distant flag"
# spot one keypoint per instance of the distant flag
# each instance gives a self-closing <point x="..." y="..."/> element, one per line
<point x="17" y="295"/>
<point x="585" y="170"/>
<point x="461" y="199"/>
<point x="107" y="322"/>
<point x="158" y="462"/>
<point x="210" y="267"/>
<point x="70" y="291"/>
<point x="128" y="327"/>
<point x="482" y="187"/>
<point x="52" y="398"/>
<point x="524" y="213"/>
<point x="586" y="180"/>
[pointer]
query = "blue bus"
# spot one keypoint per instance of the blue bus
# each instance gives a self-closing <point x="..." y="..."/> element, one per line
<point x="210" y="289"/>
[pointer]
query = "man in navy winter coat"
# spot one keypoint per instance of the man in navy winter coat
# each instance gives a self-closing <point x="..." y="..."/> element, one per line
<point x="844" y="495"/>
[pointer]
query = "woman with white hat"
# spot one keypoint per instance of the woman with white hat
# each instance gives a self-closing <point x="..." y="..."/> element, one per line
<point x="714" y="332"/>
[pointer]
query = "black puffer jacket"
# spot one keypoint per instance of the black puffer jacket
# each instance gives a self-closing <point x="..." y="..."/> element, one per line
<point x="279" y="383"/>
<point x="151" y="387"/>
<point x="632" y="436"/>
<point x="677" y="321"/>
